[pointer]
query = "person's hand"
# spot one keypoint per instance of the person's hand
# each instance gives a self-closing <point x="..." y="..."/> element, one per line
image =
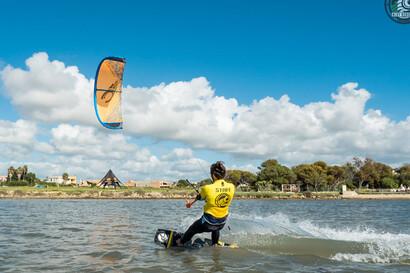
<point x="188" y="204"/>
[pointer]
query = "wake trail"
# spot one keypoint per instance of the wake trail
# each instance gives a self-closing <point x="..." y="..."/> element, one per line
<point x="278" y="234"/>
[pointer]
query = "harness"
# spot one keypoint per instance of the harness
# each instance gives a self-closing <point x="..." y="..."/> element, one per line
<point x="208" y="218"/>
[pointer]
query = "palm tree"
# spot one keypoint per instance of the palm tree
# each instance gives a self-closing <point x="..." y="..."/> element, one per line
<point x="25" y="171"/>
<point x="19" y="173"/>
<point x="65" y="177"/>
<point x="10" y="173"/>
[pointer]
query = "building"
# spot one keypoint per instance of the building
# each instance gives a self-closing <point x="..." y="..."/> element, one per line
<point x="54" y="179"/>
<point x="89" y="182"/>
<point x="72" y="180"/>
<point x="58" y="179"/>
<point x="160" y="184"/>
<point x="157" y="184"/>
<point x="110" y="180"/>
<point x="134" y="183"/>
<point x="83" y="183"/>
<point x="243" y="187"/>
<point x="290" y="188"/>
<point x="3" y="178"/>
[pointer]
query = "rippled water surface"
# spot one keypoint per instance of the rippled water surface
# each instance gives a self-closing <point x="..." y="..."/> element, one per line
<point x="273" y="236"/>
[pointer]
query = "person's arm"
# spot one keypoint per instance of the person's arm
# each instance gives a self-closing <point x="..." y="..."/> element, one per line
<point x="189" y="203"/>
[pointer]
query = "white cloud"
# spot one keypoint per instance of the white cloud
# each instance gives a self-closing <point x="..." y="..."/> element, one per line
<point x="18" y="139"/>
<point x="21" y="132"/>
<point x="87" y="152"/>
<point x="75" y="139"/>
<point x="181" y="153"/>
<point x="49" y="91"/>
<point x="192" y="113"/>
<point x="184" y="111"/>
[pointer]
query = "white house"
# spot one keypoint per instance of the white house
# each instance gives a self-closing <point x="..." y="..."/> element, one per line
<point x="54" y="179"/>
<point x="58" y="179"/>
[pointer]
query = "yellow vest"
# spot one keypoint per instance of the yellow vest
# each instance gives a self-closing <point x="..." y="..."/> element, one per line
<point x="218" y="197"/>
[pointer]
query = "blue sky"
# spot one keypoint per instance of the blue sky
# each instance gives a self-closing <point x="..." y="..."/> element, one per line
<point x="247" y="50"/>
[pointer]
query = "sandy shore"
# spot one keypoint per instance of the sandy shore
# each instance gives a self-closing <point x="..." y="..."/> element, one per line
<point x="384" y="196"/>
<point x="375" y="196"/>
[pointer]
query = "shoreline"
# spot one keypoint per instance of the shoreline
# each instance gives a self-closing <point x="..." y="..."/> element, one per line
<point x="151" y="195"/>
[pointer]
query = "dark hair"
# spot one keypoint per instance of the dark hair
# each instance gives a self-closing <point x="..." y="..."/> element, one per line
<point x="218" y="170"/>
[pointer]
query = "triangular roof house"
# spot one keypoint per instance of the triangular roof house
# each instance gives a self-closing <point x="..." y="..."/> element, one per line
<point x="110" y="180"/>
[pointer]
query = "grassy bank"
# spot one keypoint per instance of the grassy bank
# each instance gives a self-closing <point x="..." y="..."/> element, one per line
<point x="93" y="193"/>
<point x="65" y="192"/>
<point x="144" y="193"/>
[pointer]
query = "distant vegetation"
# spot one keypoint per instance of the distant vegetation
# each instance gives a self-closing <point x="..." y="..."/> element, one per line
<point x="319" y="176"/>
<point x="20" y="177"/>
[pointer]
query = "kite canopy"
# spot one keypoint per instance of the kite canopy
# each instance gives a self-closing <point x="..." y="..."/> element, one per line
<point x="107" y="92"/>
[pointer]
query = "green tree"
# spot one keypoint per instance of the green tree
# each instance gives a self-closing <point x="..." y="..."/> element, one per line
<point x="238" y="177"/>
<point x="383" y="172"/>
<point x="31" y="178"/>
<point x="263" y="185"/>
<point x="336" y="175"/>
<point x="248" y="179"/>
<point x="204" y="182"/>
<point x="182" y="183"/>
<point x="18" y="174"/>
<point x="319" y="179"/>
<point x="10" y="173"/>
<point x="24" y="172"/>
<point x="403" y="175"/>
<point x="389" y="183"/>
<point x="275" y="174"/>
<point x="14" y="176"/>
<point x="304" y="174"/>
<point x="321" y="165"/>
<point x="65" y="177"/>
<point x="311" y="176"/>
<point x="349" y="172"/>
<point x="359" y="176"/>
<point x="371" y="173"/>
<point x="233" y="176"/>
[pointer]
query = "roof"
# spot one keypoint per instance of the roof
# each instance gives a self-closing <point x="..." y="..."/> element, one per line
<point x="109" y="179"/>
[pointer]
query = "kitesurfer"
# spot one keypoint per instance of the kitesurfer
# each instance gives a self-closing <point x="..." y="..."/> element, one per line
<point x="217" y="197"/>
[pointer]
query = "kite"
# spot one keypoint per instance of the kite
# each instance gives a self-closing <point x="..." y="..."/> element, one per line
<point x="107" y="92"/>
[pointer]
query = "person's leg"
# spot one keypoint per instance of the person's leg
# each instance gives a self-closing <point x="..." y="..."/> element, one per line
<point x="196" y="227"/>
<point x="215" y="237"/>
<point x="215" y="233"/>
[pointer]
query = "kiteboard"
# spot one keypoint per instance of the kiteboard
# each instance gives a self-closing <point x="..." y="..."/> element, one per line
<point x="167" y="239"/>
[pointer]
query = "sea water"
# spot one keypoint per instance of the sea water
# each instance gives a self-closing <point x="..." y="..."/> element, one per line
<point x="273" y="236"/>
